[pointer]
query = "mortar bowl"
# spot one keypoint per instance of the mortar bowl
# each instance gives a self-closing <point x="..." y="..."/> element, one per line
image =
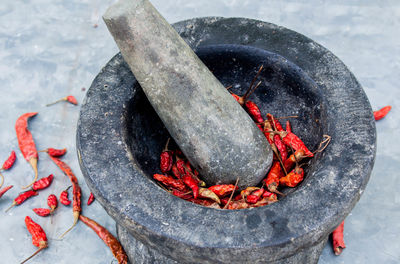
<point x="120" y="137"/>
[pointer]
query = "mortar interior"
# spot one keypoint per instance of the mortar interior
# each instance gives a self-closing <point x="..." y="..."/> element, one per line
<point x="286" y="90"/>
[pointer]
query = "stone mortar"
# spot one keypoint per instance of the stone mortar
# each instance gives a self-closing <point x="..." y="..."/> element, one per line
<point x="120" y="137"/>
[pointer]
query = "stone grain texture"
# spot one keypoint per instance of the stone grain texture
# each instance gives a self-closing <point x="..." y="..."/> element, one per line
<point x="289" y="231"/>
<point x="212" y="130"/>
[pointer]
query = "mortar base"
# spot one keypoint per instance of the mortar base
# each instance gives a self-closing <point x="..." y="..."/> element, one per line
<point x="139" y="253"/>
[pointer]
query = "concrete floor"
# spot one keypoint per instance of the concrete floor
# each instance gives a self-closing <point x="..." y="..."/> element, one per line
<point x="50" y="49"/>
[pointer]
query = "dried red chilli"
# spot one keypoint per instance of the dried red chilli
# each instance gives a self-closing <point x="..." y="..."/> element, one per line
<point x="90" y="199"/>
<point x="52" y="202"/>
<point x="55" y="152"/>
<point x="272" y="179"/>
<point x="42" y="183"/>
<point x="170" y="182"/>
<point x="192" y="184"/>
<point x="183" y="195"/>
<point x="281" y="147"/>
<point x="293" y="141"/>
<point x="4" y="190"/>
<point x="39" y="238"/>
<point x="70" y="99"/>
<point x="116" y="248"/>
<point x="175" y="171"/>
<point x="275" y="123"/>
<point x="166" y="159"/>
<point x="64" y="197"/>
<point x="337" y="239"/>
<point x="42" y="211"/>
<point x="7" y="165"/>
<point x="381" y="113"/>
<point x="22" y="197"/>
<point x="255" y="196"/>
<point x="254" y="111"/>
<point x="26" y="143"/>
<point x="222" y="189"/>
<point x="293" y="178"/>
<point x="244" y="193"/>
<point x="288" y="126"/>
<point x="76" y="191"/>
<point x="10" y="161"/>
<point x="295" y="157"/>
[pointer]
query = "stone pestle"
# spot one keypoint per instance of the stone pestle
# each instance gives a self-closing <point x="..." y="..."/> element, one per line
<point x="213" y="131"/>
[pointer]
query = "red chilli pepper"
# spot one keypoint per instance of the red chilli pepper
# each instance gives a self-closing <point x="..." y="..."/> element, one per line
<point x="281" y="147"/>
<point x="64" y="197"/>
<point x="55" y="152"/>
<point x="52" y="202"/>
<point x="42" y="183"/>
<point x="236" y="205"/>
<point x="180" y="164"/>
<point x="76" y="191"/>
<point x="90" y="199"/>
<point x="10" y="161"/>
<point x="291" y="140"/>
<point x="275" y="123"/>
<point x="71" y="99"/>
<point x="192" y="184"/>
<point x="7" y="165"/>
<point x="116" y="248"/>
<point x="255" y="196"/>
<point x="22" y="198"/>
<point x="271" y="196"/>
<point x="175" y="171"/>
<point x="272" y="179"/>
<point x="182" y="195"/>
<point x="42" y="211"/>
<point x="26" y="143"/>
<point x="4" y="190"/>
<point x="166" y="160"/>
<point x="381" y="113"/>
<point x="291" y="161"/>
<point x="293" y="178"/>
<point x="254" y="111"/>
<point x="337" y="238"/>
<point x="171" y="182"/>
<point x="39" y="238"/>
<point x="222" y="189"/>
<point x="288" y="126"/>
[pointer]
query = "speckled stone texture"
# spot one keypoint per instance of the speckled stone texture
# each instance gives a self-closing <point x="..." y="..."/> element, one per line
<point x="290" y="231"/>
<point x="213" y="131"/>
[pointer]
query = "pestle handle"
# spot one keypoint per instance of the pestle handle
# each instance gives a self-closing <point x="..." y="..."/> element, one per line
<point x="211" y="128"/>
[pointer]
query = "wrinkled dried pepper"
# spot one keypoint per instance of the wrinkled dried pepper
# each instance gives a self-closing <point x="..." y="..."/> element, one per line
<point x="22" y="197"/>
<point x="42" y="211"/>
<point x="337" y="239"/>
<point x="254" y="111"/>
<point x="76" y="191"/>
<point x="116" y="248"/>
<point x="272" y="179"/>
<point x="293" y="178"/>
<point x="55" y="152"/>
<point x="42" y="183"/>
<point x="26" y="143"/>
<point x="64" y="197"/>
<point x="171" y="182"/>
<point x="166" y="160"/>
<point x="52" y="202"/>
<point x="7" y="165"/>
<point x="39" y="238"/>
<point x="206" y="193"/>
<point x="222" y="189"/>
<point x="293" y="141"/>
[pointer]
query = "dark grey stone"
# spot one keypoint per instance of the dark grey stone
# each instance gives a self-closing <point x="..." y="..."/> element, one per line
<point x="213" y="131"/>
<point x="119" y="138"/>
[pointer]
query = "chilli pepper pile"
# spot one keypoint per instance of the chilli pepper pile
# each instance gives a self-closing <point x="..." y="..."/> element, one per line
<point x="28" y="150"/>
<point x="183" y="180"/>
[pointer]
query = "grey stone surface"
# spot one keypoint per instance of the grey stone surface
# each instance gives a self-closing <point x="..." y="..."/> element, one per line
<point x="191" y="233"/>
<point x="212" y="130"/>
